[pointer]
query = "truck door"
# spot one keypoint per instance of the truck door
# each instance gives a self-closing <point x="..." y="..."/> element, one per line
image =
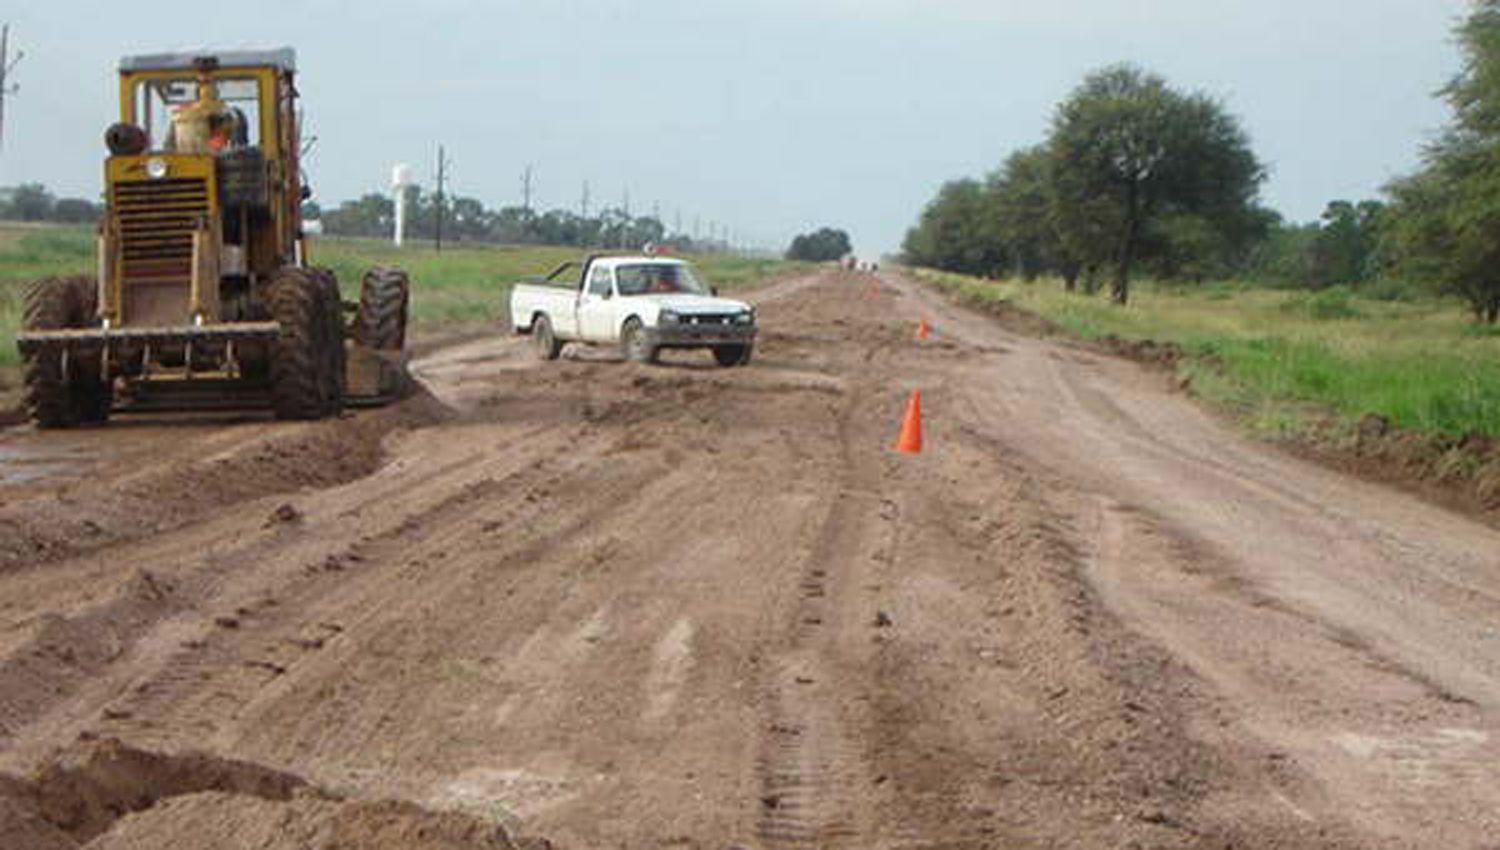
<point x="596" y="306"/>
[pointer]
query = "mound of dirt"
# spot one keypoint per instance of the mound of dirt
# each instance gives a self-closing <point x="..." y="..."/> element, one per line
<point x="1461" y="472"/>
<point x="1147" y="351"/>
<point x="148" y="500"/>
<point x="218" y="821"/>
<point x="107" y="794"/>
<point x="1010" y="316"/>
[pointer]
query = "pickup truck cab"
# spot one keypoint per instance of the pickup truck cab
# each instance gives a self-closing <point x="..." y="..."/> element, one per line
<point x="641" y="304"/>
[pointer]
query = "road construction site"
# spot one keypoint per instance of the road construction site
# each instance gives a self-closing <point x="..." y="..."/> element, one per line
<point x="596" y="604"/>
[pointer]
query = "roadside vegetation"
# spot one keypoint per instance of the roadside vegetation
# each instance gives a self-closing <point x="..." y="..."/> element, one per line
<point x="1283" y="360"/>
<point x="1136" y="176"/>
<point x="1386" y="307"/>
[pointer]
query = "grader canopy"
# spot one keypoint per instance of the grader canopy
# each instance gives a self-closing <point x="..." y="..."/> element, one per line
<point x="203" y="291"/>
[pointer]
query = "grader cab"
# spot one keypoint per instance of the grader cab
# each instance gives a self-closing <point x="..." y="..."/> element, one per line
<point x="204" y="296"/>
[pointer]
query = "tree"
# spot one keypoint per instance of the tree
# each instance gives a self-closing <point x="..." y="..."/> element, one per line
<point x="1443" y="227"/>
<point x="31" y="202"/>
<point x="1023" y="209"/>
<point x="820" y="246"/>
<point x="958" y="232"/>
<point x="1345" y="250"/>
<point x="1127" y="149"/>
<point x="371" y="215"/>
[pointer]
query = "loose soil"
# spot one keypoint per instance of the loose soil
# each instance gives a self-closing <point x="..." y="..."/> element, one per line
<point x="593" y="604"/>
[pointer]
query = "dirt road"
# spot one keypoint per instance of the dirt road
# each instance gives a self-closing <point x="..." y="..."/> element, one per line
<point x="614" y="606"/>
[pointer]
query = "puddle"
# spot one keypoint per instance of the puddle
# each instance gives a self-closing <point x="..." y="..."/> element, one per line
<point x="21" y="463"/>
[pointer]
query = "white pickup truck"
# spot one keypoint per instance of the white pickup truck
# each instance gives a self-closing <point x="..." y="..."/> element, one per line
<point x="641" y="304"/>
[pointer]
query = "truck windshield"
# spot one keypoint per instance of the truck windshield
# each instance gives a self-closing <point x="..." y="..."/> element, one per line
<point x="653" y="278"/>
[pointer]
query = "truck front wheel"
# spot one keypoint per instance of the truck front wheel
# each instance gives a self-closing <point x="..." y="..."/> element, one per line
<point x="732" y="355"/>
<point x="547" y="345"/>
<point x="637" y="346"/>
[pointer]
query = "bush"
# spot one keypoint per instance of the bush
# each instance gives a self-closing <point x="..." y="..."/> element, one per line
<point x="1391" y="289"/>
<point x="1329" y="305"/>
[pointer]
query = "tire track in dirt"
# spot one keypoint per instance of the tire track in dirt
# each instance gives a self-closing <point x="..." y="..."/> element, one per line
<point x="811" y="767"/>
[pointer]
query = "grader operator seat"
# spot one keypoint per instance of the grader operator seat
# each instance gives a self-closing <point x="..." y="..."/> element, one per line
<point x="202" y="273"/>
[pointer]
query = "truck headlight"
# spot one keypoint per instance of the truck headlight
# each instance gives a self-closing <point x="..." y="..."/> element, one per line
<point x="156" y="168"/>
<point x="745" y="318"/>
<point x="668" y="317"/>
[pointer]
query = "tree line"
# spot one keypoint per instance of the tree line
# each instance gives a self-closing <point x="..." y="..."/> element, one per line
<point x="468" y="219"/>
<point x="1133" y="172"/>
<point x="33" y="202"/>
<point x="1136" y="177"/>
<point x="374" y="215"/>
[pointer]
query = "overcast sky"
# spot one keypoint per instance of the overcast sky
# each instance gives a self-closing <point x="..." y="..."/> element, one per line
<point x="769" y="117"/>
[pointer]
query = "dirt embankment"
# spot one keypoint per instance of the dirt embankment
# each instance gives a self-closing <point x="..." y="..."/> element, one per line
<point x="1459" y="471"/>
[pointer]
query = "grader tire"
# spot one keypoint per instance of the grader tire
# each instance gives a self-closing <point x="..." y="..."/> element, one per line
<point x="333" y="330"/>
<point x="384" y="299"/>
<point x="299" y="358"/>
<point x="63" y="390"/>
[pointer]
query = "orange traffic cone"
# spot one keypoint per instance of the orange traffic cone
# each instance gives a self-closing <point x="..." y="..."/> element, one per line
<point x="910" y="441"/>
<point x="922" y="328"/>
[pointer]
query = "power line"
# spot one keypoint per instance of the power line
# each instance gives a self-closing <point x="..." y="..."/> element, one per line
<point x="7" y="65"/>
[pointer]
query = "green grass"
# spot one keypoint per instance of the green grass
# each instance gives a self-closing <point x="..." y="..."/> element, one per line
<point x="1283" y="359"/>
<point x="28" y="252"/>
<point x="462" y="285"/>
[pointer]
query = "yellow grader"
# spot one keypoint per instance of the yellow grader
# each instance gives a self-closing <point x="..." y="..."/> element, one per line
<point x="204" y="296"/>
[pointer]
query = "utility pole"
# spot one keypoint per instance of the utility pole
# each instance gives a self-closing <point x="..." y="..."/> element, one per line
<point x="526" y="190"/>
<point x="442" y="177"/>
<point x="7" y="65"/>
<point x="583" y="205"/>
<point x="625" y="225"/>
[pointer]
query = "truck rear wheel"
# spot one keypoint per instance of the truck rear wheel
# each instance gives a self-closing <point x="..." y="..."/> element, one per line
<point x="635" y="344"/>
<point x="301" y="361"/>
<point x="544" y="340"/>
<point x="63" y="389"/>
